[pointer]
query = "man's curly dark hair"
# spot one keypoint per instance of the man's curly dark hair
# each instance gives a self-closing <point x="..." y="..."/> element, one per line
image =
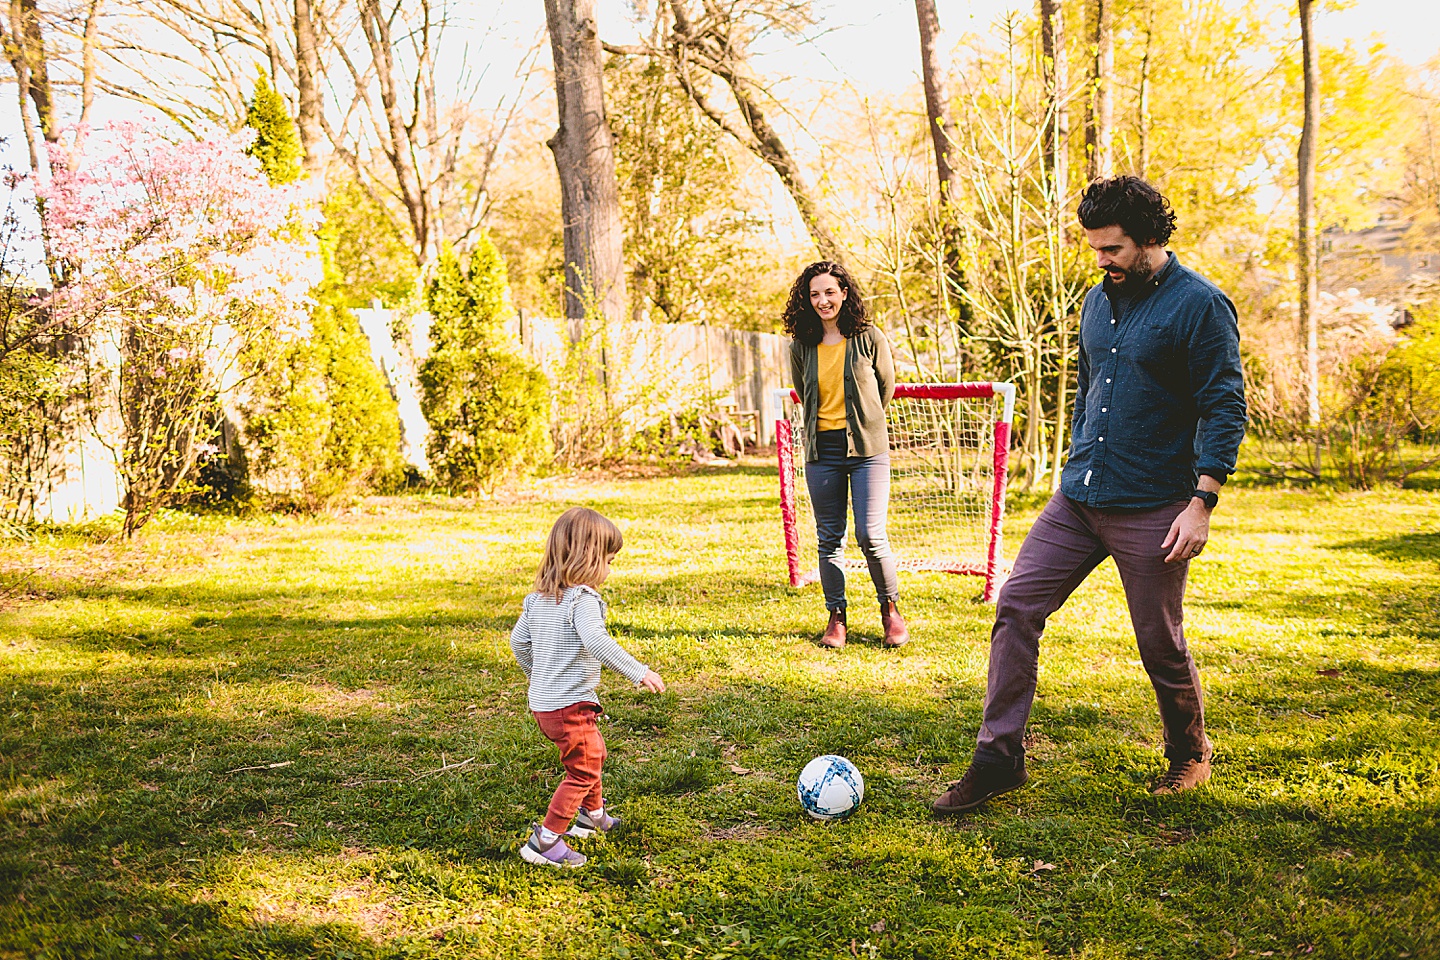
<point x="803" y="323"/>
<point x="1132" y="204"/>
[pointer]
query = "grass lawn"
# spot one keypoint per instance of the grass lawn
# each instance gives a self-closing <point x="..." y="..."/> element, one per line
<point x="284" y="737"/>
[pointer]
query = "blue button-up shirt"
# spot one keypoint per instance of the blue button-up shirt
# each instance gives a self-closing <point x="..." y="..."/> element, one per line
<point x="1160" y="397"/>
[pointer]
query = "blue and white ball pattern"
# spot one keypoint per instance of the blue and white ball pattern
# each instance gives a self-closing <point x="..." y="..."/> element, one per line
<point x="830" y="788"/>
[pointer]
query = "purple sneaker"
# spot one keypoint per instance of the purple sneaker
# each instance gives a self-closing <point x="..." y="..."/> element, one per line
<point x="557" y="854"/>
<point x="588" y="824"/>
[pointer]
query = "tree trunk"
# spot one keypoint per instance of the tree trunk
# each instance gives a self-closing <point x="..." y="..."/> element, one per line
<point x="1057" y="155"/>
<point x="1146" y="66"/>
<point x="1052" y="35"/>
<point x="585" y="159"/>
<point x="1100" y="130"/>
<point x="34" y="49"/>
<point x="1309" y="282"/>
<point x="15" y="53"/>
<point x="937" y="97"/>
<point x="89" y="69"/>
<point x="24" y="45"/>
<point x="937" y="111"/>
<point x="307" y="72"/>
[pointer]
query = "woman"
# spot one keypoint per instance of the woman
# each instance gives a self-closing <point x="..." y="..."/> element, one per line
<point x="841" y="368"/>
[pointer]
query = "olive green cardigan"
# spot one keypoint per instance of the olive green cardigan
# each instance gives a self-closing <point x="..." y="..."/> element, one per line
<point x="869" y="385"/>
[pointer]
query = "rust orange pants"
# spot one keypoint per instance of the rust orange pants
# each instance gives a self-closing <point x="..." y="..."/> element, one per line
<point x="582" y="751"/>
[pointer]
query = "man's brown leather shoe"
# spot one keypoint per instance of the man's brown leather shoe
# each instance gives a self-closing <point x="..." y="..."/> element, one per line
<point x="983" y="781"/>
<point x="834" y="635"/>
<point x="896" y="633"/>
<point x="1185" y="773"/>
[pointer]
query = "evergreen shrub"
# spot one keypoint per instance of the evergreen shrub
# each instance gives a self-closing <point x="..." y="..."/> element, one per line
<point x="323" y="425"/>
<point x="487" y="406"/>
<point x="277" y="142"/>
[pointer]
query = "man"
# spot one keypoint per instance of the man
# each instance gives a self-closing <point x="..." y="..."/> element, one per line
<point x="1159" y="416"/>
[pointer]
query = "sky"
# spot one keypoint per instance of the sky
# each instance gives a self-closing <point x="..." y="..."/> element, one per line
<point x="875" y="43"/>
<point x="872" y="44"/>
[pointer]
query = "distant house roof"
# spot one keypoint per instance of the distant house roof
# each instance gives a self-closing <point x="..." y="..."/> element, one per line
<point x="1381" y="260"/>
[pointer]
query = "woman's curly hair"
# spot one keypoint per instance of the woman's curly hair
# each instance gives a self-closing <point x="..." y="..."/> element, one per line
<point x="803" y="323"/>
<point x="1132" y="204"/>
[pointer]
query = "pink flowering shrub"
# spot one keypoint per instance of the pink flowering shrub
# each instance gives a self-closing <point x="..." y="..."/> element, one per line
<point x="142" y="220"/>
<point x="182" y="257"/>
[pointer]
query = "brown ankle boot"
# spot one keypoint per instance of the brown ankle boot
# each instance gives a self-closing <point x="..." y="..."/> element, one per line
<point x="983" y="781"/>
<point x="896" y="633"/>
<point x="834" y="635"/>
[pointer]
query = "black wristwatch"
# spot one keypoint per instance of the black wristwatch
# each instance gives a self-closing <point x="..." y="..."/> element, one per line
<point x="1208" y="498"/>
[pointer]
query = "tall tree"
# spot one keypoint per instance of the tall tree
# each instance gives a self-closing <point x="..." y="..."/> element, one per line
<point x="1100" y="127"/>
<point x="937" y="98"/>
<point x="1309" y="282"/>
<point x="88" y="66"/>
<point x="1057" y="157"/>
<point x="1057" y="83"/>
<point x="690" y="229"/>
<point x="399" y="133"/>
<point x="384" y="84"/>
<point x="942" y="133"/>
<point x="307" y="78"/>
<point x="585" y="159"/>
<point x="24" y="44"/>
<point x="1142" y="106"/>
<point x="715" y="41"/>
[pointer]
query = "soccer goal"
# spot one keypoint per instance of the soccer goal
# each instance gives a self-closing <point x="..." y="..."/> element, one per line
<point x="949" y="453"/>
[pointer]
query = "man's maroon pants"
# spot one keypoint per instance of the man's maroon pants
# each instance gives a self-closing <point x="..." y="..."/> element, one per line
<point x="1067" y="542"/>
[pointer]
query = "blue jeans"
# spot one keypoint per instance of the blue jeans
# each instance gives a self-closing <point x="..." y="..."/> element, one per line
<point x="832" y="480"/>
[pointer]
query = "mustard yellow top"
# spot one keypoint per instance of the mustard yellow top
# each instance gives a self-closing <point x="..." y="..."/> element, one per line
<point x="831" y="362"/>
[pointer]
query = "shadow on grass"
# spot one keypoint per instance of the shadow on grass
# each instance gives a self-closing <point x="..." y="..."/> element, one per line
<point x="1404" y="547"/>
<point x="126" y="783"/>
<point x="157" y="922"/>
<point x="137" y="799"/>
<point x="216" y="634"/>
<point x="1378" y="607"/>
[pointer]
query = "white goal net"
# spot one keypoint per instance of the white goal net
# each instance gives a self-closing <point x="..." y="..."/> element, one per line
<point x="949" y="446"/>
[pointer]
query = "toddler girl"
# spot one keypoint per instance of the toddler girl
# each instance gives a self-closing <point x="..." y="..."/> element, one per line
<point x="560" y="642"/>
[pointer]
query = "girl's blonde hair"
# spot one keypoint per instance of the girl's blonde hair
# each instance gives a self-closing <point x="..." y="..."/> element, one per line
<point x="576" y="550"/>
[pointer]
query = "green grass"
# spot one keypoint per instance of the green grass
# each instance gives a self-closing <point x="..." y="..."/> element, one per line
<point x="350" y="659"/>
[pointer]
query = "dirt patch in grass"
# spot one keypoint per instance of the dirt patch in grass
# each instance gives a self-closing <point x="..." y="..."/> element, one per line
<point x="328" y="700"/>
<point x="738" y="831"/>
<point x="362" y="904"/>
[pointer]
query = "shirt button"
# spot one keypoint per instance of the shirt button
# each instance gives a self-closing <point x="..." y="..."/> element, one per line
<point x="1104" y="409"/>
<point x="1107" y="379"/>
<point x="1102" y="439"/>
<point x="1112" y="322"/>
<point x="1112" y="349"/>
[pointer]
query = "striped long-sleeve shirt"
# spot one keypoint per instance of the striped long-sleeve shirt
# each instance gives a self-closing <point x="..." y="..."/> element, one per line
<point x="561" y="646"/>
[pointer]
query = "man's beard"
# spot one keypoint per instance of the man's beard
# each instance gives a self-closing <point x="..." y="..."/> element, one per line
<point x="1132" y="279"/>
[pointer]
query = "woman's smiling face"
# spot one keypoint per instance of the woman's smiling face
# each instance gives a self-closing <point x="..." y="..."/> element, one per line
<point x="826" y="296"/>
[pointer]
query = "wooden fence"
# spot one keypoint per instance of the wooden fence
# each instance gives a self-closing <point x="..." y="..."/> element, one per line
<point x="734" y="371"/>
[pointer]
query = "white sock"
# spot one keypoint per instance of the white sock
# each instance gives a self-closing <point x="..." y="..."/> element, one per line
<point x="548" y="836"/>
<point x="597" y="814"/>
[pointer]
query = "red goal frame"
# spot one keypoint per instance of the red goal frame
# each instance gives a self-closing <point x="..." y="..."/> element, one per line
<point x="993" y="567"/>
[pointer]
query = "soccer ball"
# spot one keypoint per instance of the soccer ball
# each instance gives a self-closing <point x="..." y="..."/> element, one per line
<point x="830" y="788"/>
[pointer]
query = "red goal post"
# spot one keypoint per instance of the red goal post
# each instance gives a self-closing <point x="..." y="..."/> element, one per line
<point x="949" y="462"/>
